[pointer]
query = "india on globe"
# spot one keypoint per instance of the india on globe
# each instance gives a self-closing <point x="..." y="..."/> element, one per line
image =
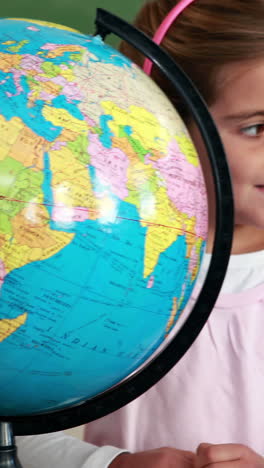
<point x="103" y="217"/>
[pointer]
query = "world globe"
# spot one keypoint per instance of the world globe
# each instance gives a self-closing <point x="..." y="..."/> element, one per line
<point x="103" y="218"/>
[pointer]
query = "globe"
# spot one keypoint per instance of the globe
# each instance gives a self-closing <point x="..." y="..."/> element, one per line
<point x="103" y="217"/>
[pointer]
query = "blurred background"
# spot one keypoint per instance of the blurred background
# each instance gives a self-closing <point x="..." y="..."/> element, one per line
<point x="78" y="14"/>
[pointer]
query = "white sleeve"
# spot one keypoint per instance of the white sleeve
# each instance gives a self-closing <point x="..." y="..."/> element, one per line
<point x="59" y="450"/>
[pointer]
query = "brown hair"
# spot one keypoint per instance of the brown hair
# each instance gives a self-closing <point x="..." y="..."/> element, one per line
<point x="206" y="36"/>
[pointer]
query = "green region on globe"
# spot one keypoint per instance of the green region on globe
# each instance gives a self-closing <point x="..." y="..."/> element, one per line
<point x="103" y="217"/>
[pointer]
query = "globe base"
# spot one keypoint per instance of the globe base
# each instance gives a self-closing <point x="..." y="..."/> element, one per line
<point x="8" y="450"/>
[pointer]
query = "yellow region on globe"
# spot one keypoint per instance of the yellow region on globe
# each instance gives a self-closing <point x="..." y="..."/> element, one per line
<point x="145" y="125"/>
<point x="10" y="326"/>
<point x="15" y="255"/>
<point x="32" y="241"/>
<point x="21" y="143"/>
<point x="189" y="224"/>
<point x="164" y="226"/>
<point x="188" y="149"/>
<point x="68" y="74"/>
<point x="9" y="42"/>
<point x="18" y="46"/>
<point x="60" y="50"/>
<point x="198" y="246"/>
<point x="62" y="118"/>
<point x="173" y="314"/>
<point x="71" y="183"/>
<point x="9" y="131"/>
<point x="28" y="149"/>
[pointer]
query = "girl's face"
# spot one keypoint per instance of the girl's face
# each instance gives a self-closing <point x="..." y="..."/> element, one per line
<point x="238" y="112"/>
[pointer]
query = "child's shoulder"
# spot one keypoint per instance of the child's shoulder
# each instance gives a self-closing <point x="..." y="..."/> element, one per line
<point x="244" y="280"/>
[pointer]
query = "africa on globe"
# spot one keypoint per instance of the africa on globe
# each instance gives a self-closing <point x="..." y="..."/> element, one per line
<point x="103" y="217"/>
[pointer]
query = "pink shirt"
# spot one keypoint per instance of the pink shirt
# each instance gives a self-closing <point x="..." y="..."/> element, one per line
<point x="214" y="394"/>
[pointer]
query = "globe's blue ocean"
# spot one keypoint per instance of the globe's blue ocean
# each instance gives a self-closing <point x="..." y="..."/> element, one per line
<point x="99" y="276"/>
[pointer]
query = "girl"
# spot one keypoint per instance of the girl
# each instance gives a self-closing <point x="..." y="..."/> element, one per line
<point x="215" y="393"/>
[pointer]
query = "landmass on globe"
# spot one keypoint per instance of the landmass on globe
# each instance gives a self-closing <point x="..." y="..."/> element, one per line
<point x="103" y="212"/>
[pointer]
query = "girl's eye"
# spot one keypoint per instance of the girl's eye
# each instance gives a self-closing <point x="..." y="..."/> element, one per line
<point x="253" y="130"/>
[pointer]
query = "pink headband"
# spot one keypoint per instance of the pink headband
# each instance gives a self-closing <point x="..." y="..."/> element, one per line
<point x="163" y="28"/>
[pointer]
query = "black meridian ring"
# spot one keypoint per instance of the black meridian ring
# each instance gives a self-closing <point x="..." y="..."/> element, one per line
<point x="141" y="381"/>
